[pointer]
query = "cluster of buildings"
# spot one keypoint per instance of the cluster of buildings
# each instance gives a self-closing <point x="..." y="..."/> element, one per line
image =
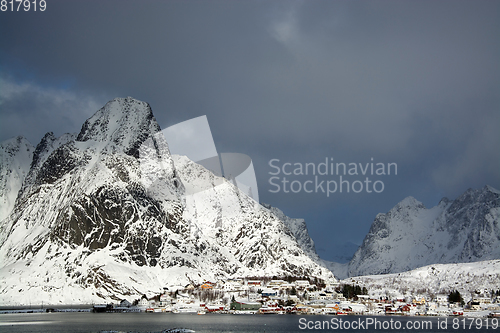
<point x="439" y="305"/>
<point x="301" y="296"/>
<point x="236" y="295"/>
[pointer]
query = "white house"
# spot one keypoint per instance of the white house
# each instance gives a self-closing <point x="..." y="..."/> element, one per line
<point x="232" y="285"/>
<point x="441" y="299"/>
<point x="165" y="300"/>
<point x="302" y="284"/>
<point x="275" y="284"/>
<point x="143" y="303"/>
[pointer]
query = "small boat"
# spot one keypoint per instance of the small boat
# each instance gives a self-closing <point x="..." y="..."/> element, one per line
<point x="201" y="312"/>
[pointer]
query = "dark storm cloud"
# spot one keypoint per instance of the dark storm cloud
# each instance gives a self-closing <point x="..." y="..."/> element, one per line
<point x="411" y="82"/>
<point x="31" y="110"/>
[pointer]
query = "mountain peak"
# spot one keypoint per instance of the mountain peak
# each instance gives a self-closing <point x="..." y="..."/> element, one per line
<point x="410" y="202"/>
<point x="444" y="201"/>
<point x="462" y="230"/>
<point x="15" y="142"/>
<point x="124" y="122"/>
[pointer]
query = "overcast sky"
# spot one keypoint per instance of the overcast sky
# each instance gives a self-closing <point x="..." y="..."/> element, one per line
<point x="415" y="83"/>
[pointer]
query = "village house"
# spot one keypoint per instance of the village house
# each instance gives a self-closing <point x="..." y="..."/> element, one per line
<point x="143" y="302"/>
<point x="232" y="286"/>
<point x="441" y="299"/>
<point x="275" y="284"/>
<point x="482" y="300"/>
<point x="422" y="301"/>
<point x="245" y="306"/>
<point x="302" y="284"/>
<point x="254" y="283"/>
<point x="474" y="305"/>
<point x="331" y="308"/>
<point x="365" y="299"/>
<point x="303" y="309"/>
<point x="405" y="309"/>
<point x="165" y="300"/>
<point x="251" y="296"/>
<point x="332" y="294"/>
<point x="286" y="286"/>
<point x="214" y="308"/>
<point x="316" y="307"/>
<point x="206" y="286"/>
<point x="125" y="303"/>
<point x="357" y="308"/>
<point x="331" y="284"/>
<point x="269" y="292"/>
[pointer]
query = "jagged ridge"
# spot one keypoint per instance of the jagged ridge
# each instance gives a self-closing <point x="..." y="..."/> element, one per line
<point x="109" y="213"/>
<point x="410" y="236"/>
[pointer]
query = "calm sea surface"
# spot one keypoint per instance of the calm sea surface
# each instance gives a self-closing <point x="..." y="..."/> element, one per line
<point x="158" y="322"/>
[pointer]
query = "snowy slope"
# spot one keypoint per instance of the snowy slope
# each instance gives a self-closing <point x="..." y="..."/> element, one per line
<point x="109" y="213"/>
<point x="467" y="278"/>
<point x="298" y="228"/>
<point x="254" y="238"/>
<point x="410" y="236"/>
<point x="15" y="160"/>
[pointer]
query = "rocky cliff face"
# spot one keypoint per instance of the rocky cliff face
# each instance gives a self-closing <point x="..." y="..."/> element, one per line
<point x="299" y="230"/>
<point x="108" y="213"/>
<point x="410" y="236"/>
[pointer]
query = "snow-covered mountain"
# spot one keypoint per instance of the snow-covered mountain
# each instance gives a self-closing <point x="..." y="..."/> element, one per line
<point x="410" y="236"/>
<point x="299" y="230"/>
<point x="468" y="278"/>
<point x="109" y="213"/>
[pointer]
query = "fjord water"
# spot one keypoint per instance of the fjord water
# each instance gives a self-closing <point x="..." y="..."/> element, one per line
<point x="158" y="322"/>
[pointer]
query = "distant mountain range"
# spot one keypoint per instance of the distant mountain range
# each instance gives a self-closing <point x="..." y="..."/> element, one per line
<point x="409" y="236"/>
<point x="468" y="278"/>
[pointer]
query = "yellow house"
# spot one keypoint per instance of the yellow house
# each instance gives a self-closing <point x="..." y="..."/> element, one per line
<point x="421" y="302"/>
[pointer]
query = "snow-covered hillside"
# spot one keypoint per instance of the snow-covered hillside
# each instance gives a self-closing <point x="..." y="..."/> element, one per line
<point x="109" y="213"/>
<point x="410" y="236"/>
<point x="298" y="228"/>
<point x="15" y="159"/>
<point x="468" y="278"/>
<point x="256" y="241"/>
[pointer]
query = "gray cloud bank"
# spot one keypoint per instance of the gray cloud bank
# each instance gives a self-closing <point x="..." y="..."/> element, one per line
<point x="410" y="82"/>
